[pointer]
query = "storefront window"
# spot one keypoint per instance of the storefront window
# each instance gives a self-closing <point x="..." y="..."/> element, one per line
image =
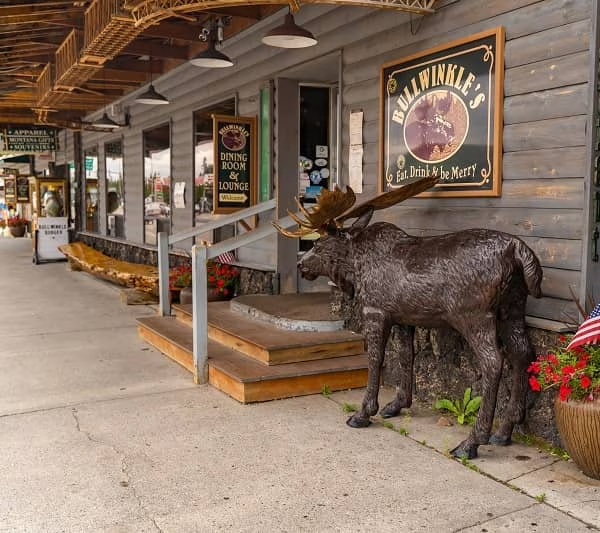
<point x="157" y="182"/>
<point x="91" y="189"/>
<point x="115" y="203"/>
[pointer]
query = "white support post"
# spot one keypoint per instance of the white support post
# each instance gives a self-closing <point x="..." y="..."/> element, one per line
<point x="164" y="306"/>
<point x="200" y="313"/>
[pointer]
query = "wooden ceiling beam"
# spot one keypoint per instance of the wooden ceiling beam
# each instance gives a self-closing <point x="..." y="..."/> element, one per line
<point x="156" y="50"/>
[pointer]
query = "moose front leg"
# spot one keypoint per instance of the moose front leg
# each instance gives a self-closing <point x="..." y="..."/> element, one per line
<point x="376" y="330"/>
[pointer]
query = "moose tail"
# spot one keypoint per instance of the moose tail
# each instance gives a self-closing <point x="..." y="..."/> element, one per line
<point x="532" y="270"/>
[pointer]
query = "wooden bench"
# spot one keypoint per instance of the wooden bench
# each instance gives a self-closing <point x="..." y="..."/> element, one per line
<point x="132" y="275"/>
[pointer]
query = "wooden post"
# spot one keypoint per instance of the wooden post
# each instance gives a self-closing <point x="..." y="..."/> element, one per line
<point x="164" y="307"/>
<point x="200" y="313"/>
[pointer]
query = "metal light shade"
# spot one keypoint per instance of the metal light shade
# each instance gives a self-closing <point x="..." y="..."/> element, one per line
<point x="106" y="122"/>
<point x="211" y="58"/>
<point x="151" y="97"/>
<point x="288" y="35"/>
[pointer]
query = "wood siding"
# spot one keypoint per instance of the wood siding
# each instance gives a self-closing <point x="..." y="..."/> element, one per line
<point x="548" y="52"/>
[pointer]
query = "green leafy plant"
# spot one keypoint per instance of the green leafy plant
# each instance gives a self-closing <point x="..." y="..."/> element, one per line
<point x="326" y="390"/>
<point x="465" y="409"/>
<point x="349" y="407"/>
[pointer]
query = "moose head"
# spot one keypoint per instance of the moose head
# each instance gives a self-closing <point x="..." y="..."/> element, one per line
<point x="330" y="254"/>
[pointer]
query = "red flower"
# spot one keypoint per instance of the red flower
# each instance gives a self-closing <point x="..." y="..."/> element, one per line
<point x="585" y="382"/>
<point x="534" y="384"/>
<point x="534" y="367"/>
<point x="564" y="392"/>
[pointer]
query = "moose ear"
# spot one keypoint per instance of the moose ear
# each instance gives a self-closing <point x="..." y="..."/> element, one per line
<point x="363" y="220"/>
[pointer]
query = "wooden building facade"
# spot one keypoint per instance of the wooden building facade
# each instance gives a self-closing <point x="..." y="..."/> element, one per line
<point x="550" y="191"/>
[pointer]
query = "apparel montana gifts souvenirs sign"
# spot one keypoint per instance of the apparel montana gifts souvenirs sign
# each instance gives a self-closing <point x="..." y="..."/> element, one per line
<point x="442" y="116"/>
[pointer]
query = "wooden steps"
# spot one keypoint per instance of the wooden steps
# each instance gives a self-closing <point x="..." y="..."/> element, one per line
<point x="253" y="361"/>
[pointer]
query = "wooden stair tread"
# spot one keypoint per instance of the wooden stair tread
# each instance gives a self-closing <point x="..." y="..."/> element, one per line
<point x="246" y="370"/>
<point x="241" y="368"/>
<point x="268" y="336"/>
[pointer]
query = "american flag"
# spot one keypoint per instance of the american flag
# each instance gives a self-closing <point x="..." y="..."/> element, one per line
<point x="589" y="331"/>
<point x="226" y="258"/>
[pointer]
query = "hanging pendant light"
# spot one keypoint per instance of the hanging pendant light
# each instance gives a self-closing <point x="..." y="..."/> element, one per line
<point x="289" y="35"/>
<point x="151" y="97"/>
<point x="211" y="57"/>
<point x="106" y="122"/>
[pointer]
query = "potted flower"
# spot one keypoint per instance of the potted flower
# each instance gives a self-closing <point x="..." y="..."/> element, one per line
<point x="573" y="370"/>
<point x="16" y="225"/>
<point x="222" y="280"/>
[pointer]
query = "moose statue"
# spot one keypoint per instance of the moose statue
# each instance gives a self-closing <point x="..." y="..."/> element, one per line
<point x="475" y="281"/>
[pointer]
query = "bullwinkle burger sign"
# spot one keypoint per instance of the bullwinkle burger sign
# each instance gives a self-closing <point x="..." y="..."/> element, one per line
<point x="442" y="116"/>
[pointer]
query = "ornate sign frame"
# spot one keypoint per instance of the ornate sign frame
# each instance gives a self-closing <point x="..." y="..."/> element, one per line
<point x="235" y="163"/>
<point x="441" y="114"/>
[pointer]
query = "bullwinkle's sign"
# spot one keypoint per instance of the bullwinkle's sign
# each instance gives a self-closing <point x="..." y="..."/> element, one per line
<point x="235" y="163"/>
<point x="442" y="116"/>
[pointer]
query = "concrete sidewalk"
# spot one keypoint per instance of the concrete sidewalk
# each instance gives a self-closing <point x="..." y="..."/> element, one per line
<point x="99" y="432"/>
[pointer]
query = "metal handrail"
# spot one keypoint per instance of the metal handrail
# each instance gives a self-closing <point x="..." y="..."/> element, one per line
<point x="200" y="254"/>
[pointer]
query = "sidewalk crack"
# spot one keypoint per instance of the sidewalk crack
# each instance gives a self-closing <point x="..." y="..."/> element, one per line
<point x="126" y="482"/>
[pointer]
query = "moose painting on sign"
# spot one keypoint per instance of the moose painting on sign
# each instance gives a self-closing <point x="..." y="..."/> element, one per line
<point x="476" y="281"/>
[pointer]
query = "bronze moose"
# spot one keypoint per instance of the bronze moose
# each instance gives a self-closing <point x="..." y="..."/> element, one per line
<point x="475" y="281"/>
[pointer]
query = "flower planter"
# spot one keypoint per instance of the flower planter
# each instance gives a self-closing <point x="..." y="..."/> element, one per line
<point x="174" y="295"/>
<point x="17" y="231"/>
<point x="578" y="424"/>
<point x="186" y="296"/>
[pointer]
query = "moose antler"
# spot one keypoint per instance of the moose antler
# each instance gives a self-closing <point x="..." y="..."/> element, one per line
<point x="390" y="198"/>
<point x="330" y="204"/>
<point x="333" y="207"/>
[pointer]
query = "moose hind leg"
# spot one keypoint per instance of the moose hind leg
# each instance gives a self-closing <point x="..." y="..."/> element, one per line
<point x="404" y="376"/>
<point x="482" y="339"/>
<point x="376" y="330"/>
<point x="520" y="353"/>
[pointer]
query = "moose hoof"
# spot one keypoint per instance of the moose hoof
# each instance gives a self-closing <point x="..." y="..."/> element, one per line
<point x="357" y="422"/>
<point x="465" y="451"/>
<point x="499" y="440"/>
<point x="390" y="411"/>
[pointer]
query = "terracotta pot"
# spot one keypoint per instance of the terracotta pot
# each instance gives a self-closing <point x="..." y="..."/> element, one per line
<point x="174" y="295"/>
<point x="578" y="424"/>
<point x="17" y="231"/>
<point x="185" y="296"/>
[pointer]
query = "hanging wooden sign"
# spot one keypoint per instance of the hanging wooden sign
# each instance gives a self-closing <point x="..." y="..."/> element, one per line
<point x="235" y="163"/>
<point x="23" y="190"/>
<point x="10" y="190"/>
<point x="441" y="115"/>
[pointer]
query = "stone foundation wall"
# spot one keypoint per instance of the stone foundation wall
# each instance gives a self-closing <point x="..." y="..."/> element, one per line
<point x="251" y="281"/>
<point x="445" y="366"/>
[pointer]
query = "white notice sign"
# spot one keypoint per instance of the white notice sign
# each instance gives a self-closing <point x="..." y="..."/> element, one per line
<point x="51" y="233"/>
